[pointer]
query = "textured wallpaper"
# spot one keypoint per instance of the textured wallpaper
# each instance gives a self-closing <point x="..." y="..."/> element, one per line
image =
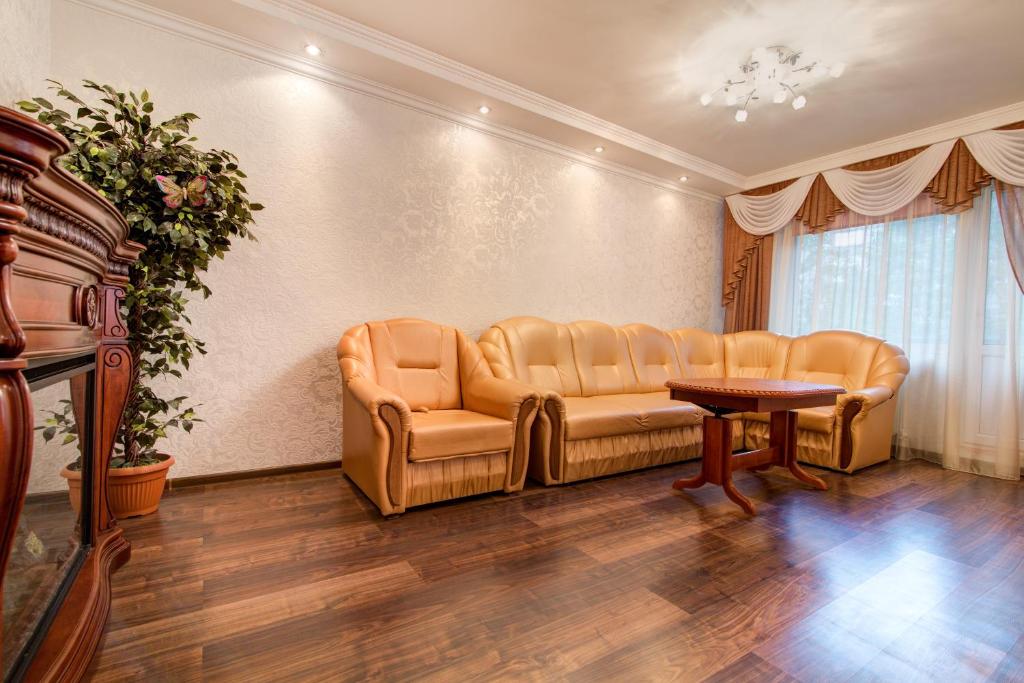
<point x="24" y="48"/>
<point x="375" y="211"/>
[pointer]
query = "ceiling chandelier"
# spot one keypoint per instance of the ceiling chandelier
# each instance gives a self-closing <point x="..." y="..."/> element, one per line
<point x="773" y="73"/>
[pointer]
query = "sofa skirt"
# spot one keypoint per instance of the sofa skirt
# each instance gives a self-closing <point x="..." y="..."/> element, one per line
<point x="813" y="448"/>
<point x="589" y="458"/>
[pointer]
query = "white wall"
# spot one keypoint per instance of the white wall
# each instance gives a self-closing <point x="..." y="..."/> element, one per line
<point x="373" y="211"/>
<point x="24" y="49"/>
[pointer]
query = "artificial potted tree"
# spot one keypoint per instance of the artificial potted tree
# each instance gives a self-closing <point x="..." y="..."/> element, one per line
<point x="186" y="206"/>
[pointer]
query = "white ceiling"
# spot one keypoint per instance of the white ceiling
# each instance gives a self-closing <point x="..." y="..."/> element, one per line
<point x="627" y="75"/>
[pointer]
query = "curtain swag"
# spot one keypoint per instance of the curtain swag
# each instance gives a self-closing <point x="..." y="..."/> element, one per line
<point x="877" y="193"/>
<point x="1001" y="153"/>
<point x="951" y="173"/>
<point x="771" y="212"/>
<point x="880" y="191"/>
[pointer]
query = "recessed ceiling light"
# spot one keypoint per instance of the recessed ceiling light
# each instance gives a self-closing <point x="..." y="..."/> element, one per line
<point x="683" y="179"/>
<point x="599" y="149"/>
<point x="741" y="115"/>
<point x="484" y="109"/>
<point x="313" y="51"/>
<point x="799" y="102"/>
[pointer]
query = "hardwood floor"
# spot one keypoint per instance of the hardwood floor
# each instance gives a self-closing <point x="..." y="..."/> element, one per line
<point x="902" y="572"/>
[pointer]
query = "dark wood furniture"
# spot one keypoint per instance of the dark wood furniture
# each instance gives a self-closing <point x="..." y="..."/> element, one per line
<point x="64" y="258"/>
<point x="731" y="395"/>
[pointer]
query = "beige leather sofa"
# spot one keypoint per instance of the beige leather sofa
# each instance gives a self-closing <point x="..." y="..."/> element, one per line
<point x="605" y="408"/>
<point x="424" y="417"/>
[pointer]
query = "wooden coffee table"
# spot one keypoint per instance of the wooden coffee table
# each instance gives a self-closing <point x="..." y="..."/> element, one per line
<point x="722" y="396"/>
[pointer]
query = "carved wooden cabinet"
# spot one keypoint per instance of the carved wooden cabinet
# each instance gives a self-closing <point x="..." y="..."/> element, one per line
<point x="64" y="258"/>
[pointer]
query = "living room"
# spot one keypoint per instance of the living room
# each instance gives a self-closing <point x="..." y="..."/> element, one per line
<point x="448" y="340"/>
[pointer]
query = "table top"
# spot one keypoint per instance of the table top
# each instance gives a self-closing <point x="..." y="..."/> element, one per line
<point x="753" y="387"/>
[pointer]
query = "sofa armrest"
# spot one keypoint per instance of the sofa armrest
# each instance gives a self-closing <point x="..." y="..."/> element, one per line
<point x="862" y="400"/>
<point x="372" y="396"/>
<point x="858" y="431"/>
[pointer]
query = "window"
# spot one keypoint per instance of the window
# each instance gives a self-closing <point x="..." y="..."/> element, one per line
<point x="890" y="279"/>
<point x="940" y="287"/>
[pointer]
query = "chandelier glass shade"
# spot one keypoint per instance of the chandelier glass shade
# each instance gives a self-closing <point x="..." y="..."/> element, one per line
<point x="776" y="73"/>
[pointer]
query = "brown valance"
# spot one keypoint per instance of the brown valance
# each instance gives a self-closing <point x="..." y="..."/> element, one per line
<point x="746" y="280"/>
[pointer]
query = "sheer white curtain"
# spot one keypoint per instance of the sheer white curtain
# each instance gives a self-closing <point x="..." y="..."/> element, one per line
<point x="941" y="288"/>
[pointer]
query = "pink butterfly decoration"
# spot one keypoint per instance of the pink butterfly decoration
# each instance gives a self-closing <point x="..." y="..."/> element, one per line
<point x="175" y="195"/>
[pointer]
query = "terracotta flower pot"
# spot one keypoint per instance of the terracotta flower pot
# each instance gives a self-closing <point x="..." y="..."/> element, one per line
<point x="132" y="491"/>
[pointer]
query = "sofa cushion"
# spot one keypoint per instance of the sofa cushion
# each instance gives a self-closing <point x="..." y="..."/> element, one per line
<point x="654" y="356"/>
<point x="658" y="411"/>
<point x="832" y="357"/>
<point x="756" y="353"/>
<point x="597" y="416"/>
<point x="602" y="359"/>
<point x="446" y="433"/>
<point x="532" y="350"/>
<point x="701" y="353"/>
<point x="813" y="419"/>
<point x="591" y="417"/>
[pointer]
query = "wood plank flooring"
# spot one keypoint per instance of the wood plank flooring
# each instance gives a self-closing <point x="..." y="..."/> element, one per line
<point x="903" y="572"/>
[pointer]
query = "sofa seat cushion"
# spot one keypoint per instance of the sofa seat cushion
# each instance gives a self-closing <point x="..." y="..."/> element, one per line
<point x="447" y="433"/>
<point x="615" y="414"/>
<point x="820" y="419"/>
<point x="659" y="411"/>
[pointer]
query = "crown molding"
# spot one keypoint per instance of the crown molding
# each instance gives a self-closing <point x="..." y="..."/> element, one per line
<point x="324" y="22"/>
<point x="949" y="130"/>
<point x="305" y="15"/>
<point x="238" y="45"/>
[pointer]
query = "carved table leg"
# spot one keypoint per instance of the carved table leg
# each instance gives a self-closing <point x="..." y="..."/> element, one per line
<point x="783" y="435"/>
<point x="716" y="465"/>
<point x="737" y="497"/>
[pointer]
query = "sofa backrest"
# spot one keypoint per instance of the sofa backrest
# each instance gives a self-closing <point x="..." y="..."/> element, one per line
<point x="602" y="359"/>
<point x="889" y="368"/>
<point x="416" y="359"/>
<point x="756" y="353"/>
<point x="588" y="358"/>
<point x="654" y="356"/>
<point x="532" y="350"/>
<point x="701" y="353"/>
<point x="833" y="357"/>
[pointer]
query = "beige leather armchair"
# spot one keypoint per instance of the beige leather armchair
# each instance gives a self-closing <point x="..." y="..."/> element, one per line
<point x="424" y="417"/>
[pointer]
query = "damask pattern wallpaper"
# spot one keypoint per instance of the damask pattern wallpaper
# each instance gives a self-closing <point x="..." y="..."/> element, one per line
<point x="24" y="49"/>
<point x="374" y="211"/>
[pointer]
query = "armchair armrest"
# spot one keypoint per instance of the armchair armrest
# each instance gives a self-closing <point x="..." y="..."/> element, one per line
<point x="372" y="396"/>
<point x="377" y="424"/>
<point x="509" y="400"/>
<point x="498" y="397"/>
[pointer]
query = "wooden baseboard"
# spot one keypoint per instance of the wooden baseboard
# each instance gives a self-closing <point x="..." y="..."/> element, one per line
<point x="221" y="477"/>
